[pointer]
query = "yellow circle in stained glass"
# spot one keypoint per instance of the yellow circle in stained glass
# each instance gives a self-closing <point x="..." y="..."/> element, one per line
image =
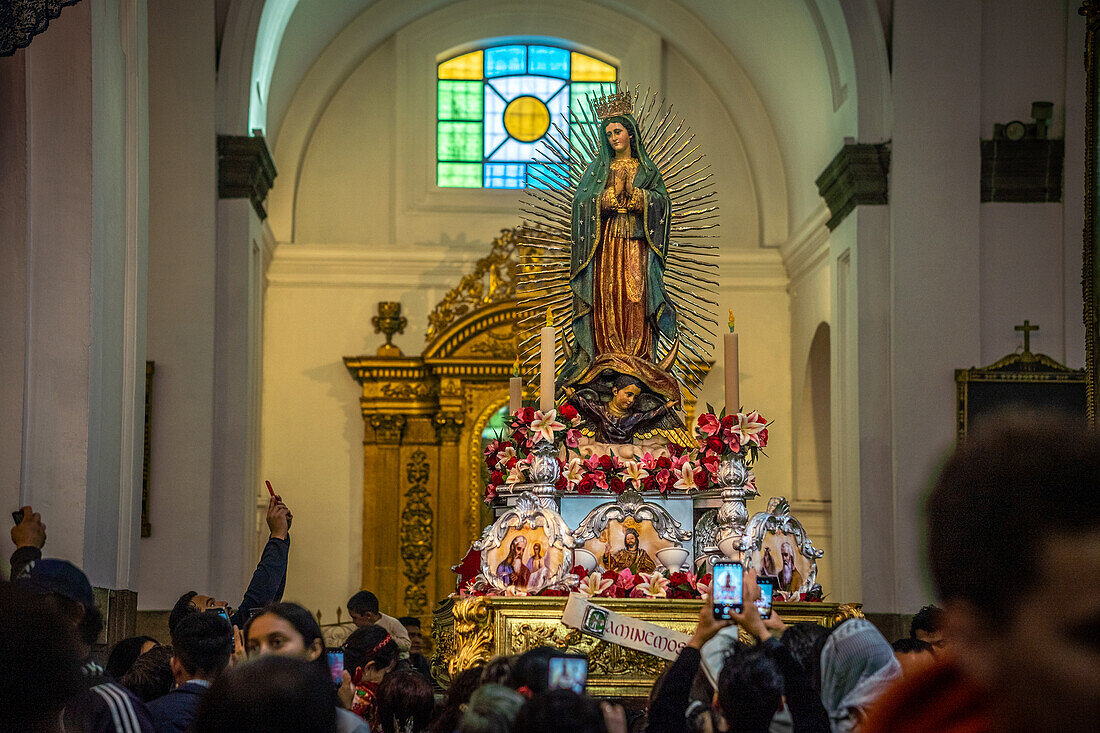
<point x="526" y="118"/>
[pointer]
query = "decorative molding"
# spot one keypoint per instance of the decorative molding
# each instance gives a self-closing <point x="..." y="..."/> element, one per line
<point x="416" y="533"/>
<point x="857" y="176"/>
<point x="809" y="247"/>
<point x="448" y="426"/>
<point x="387" y="428"/>
<point x="1022" y="171"/>
<point x="751" y="269"/>
<point x="245" y="170"/>
<point x="356" y="266"/>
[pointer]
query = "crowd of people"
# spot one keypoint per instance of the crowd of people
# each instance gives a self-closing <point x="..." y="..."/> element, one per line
<point x="1013" y="647"/>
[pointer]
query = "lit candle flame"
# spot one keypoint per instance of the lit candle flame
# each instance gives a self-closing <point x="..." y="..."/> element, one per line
<point x="515" y="367"/>
<point x="731" y="320"/>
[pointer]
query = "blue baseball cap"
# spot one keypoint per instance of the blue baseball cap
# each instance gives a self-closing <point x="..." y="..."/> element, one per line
<point x="51" y="575"/>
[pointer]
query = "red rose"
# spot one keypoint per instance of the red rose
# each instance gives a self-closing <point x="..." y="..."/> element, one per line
<point x="616" y="485"/>
<point x="606" y="464"/>
<point x="519" y="437"/>
<point x="579" y="571"/>
<point x="714" y="444"/>
<point x="649" y="483"/>
<point x="680" y="593"/>
<point x="526" y="414"/>
<point x="567" y="412"/>
<point x="710" y="464"/>
<point x="562" y="484"/>
<point x="496" y="478"/>
<point x="586" y="484"/>
<point x="678" y="578"/>
<point x="490" y="493"/>
<point x="727" y="422"/>
<point x="701" y="479"/>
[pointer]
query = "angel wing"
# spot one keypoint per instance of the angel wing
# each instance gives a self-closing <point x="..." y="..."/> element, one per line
<point x="690" y="267"/>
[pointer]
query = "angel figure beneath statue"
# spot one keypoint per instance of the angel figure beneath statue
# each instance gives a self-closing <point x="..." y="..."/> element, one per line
<point x="621" y="417"/>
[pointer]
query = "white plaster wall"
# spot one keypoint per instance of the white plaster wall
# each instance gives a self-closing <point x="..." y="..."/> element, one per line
<point x="182" y="199"/>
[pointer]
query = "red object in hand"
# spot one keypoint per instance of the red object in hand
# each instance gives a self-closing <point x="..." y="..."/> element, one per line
<point x="269" y="489"/>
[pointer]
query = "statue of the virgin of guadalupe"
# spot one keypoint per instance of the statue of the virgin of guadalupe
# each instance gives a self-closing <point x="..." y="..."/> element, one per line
<point x="620" y="230"/>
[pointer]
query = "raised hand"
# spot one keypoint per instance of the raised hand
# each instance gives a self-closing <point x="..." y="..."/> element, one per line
<point x="278" y="518"/>
<point x="31" y="532"/>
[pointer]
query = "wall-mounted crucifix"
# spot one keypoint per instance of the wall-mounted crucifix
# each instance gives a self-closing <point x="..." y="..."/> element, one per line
<point x="1027" y="328"/>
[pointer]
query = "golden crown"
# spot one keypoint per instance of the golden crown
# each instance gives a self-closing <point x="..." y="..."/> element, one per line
<point x="613" y="105"/>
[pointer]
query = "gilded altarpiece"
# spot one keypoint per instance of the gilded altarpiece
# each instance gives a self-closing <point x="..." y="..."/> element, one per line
<point x="423" y="418"/>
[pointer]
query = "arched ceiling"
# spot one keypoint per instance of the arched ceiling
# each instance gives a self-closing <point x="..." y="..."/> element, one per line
<point x="797" y="56"/>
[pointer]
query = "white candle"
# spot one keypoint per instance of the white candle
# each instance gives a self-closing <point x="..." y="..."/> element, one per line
<point x="515" y="390"/>
<point x="546" y="373"/>
<point x="733" y="389"/>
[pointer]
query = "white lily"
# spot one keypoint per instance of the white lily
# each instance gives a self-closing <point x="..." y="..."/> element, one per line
<point x="634" y="473"/>
<point x="686" y="482"/>
<point x="574" y="472"/>
<point x="545" y="424"/>
<point x="506" y="454"/>
<point x="749" y="426"/>
<point x="594" y="585"/>
<point x="654" y="585"/>
<point x="516" y="473"/>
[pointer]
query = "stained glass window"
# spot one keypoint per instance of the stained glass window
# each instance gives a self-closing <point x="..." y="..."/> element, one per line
<point x="495" y="106"/>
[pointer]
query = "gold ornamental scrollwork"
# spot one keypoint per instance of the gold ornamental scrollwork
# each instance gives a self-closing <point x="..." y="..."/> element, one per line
<point x="473" y="634"/>
<point x="604" y="659"/>
<point x="416" y="533"/>
<point x="405" y="390"/>
<point x="492" y="281"/>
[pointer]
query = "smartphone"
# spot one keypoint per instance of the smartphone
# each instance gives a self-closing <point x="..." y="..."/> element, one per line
<point x="17" y="515"/>
<point x="726" y="585"/>
<point x="336" y="665"/>
<point x="764" y="602"/>
<point x="567" y="672"/>
<point x="223" y="612"/>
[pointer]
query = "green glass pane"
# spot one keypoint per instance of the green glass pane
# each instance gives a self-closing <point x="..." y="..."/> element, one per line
<point x="579" y="89"/>
<point x="458" y="175"/>
<point x="459" y="141"/>
<point x="460" y="100"/>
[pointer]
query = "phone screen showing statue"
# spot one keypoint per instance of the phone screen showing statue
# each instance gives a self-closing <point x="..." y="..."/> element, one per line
<point x="764" y="602"/>
<point x="336" y="665"/>
<point x="567" y="673"/>
<point x="727" y="589"/>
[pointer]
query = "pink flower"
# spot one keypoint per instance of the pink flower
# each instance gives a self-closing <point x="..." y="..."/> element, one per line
<point x="749" y="427"/>
<point x="573" y="438"/>
<point x="625" y="579"/>
<point x="708" y="423"/>
<point x="543" y="426"/>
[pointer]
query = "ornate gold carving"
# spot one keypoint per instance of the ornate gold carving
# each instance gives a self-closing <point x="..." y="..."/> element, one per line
<point x="477" y="486"/>
<point x="387" y="428"/>
<point x="389" y="321"/>
<point x="448" y="426"/>
<point x="443" y="646"/>
<point x="416" y="533"/>
<point x="608" y="660"/>
<point x="490" y="282"/>
<point x="473" y="634"/>
<point x="845" y="612"/>
<point x="405" y="390"/>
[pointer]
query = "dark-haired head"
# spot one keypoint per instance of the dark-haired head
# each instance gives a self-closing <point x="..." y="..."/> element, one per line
<point x="40" y="659"/>
<point x="625" y="380"/>
<point x="556" y="710"/>
<point x="462" y="686"/>
<point x="202" y="644"/>
<point x="805" y="640"/>
<point x="269" y="694"/>
<point x="1014" y="517"/>
<point x="405" y="702"/>
<point x="289" y="630"/>
<point x="150" y="676"/>
<point x="927" y="626"/>
<point x="125" y="653"/>
<point x="531" y="668"/>
<point x="750" y="690"/>
<point x="369" y="651"/>
<point x="184" y="607"/>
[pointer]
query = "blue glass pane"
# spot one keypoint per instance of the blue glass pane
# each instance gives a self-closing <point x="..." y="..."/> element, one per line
<point x="504" y="60"/>
<point x="504" y="175"/>
<point x="549" y="61"/>
<point x="547" y="176"/>
<point x="514" y="150"/>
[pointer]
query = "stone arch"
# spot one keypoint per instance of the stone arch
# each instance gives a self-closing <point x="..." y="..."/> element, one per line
<point x="813" y="452"/>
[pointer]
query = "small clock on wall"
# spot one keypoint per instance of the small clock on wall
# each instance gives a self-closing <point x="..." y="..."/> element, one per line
<point x="1015" y="130"/>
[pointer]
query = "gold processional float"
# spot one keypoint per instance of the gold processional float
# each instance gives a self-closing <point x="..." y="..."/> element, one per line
<point x="609" y="504"/>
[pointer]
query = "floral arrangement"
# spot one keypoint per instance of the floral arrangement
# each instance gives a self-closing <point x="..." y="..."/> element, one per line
<point x="621" y="584"/>
<point x="688" y="470"/>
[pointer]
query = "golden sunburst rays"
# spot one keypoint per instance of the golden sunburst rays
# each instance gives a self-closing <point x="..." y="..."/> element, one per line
<point x="690" y="267"/>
